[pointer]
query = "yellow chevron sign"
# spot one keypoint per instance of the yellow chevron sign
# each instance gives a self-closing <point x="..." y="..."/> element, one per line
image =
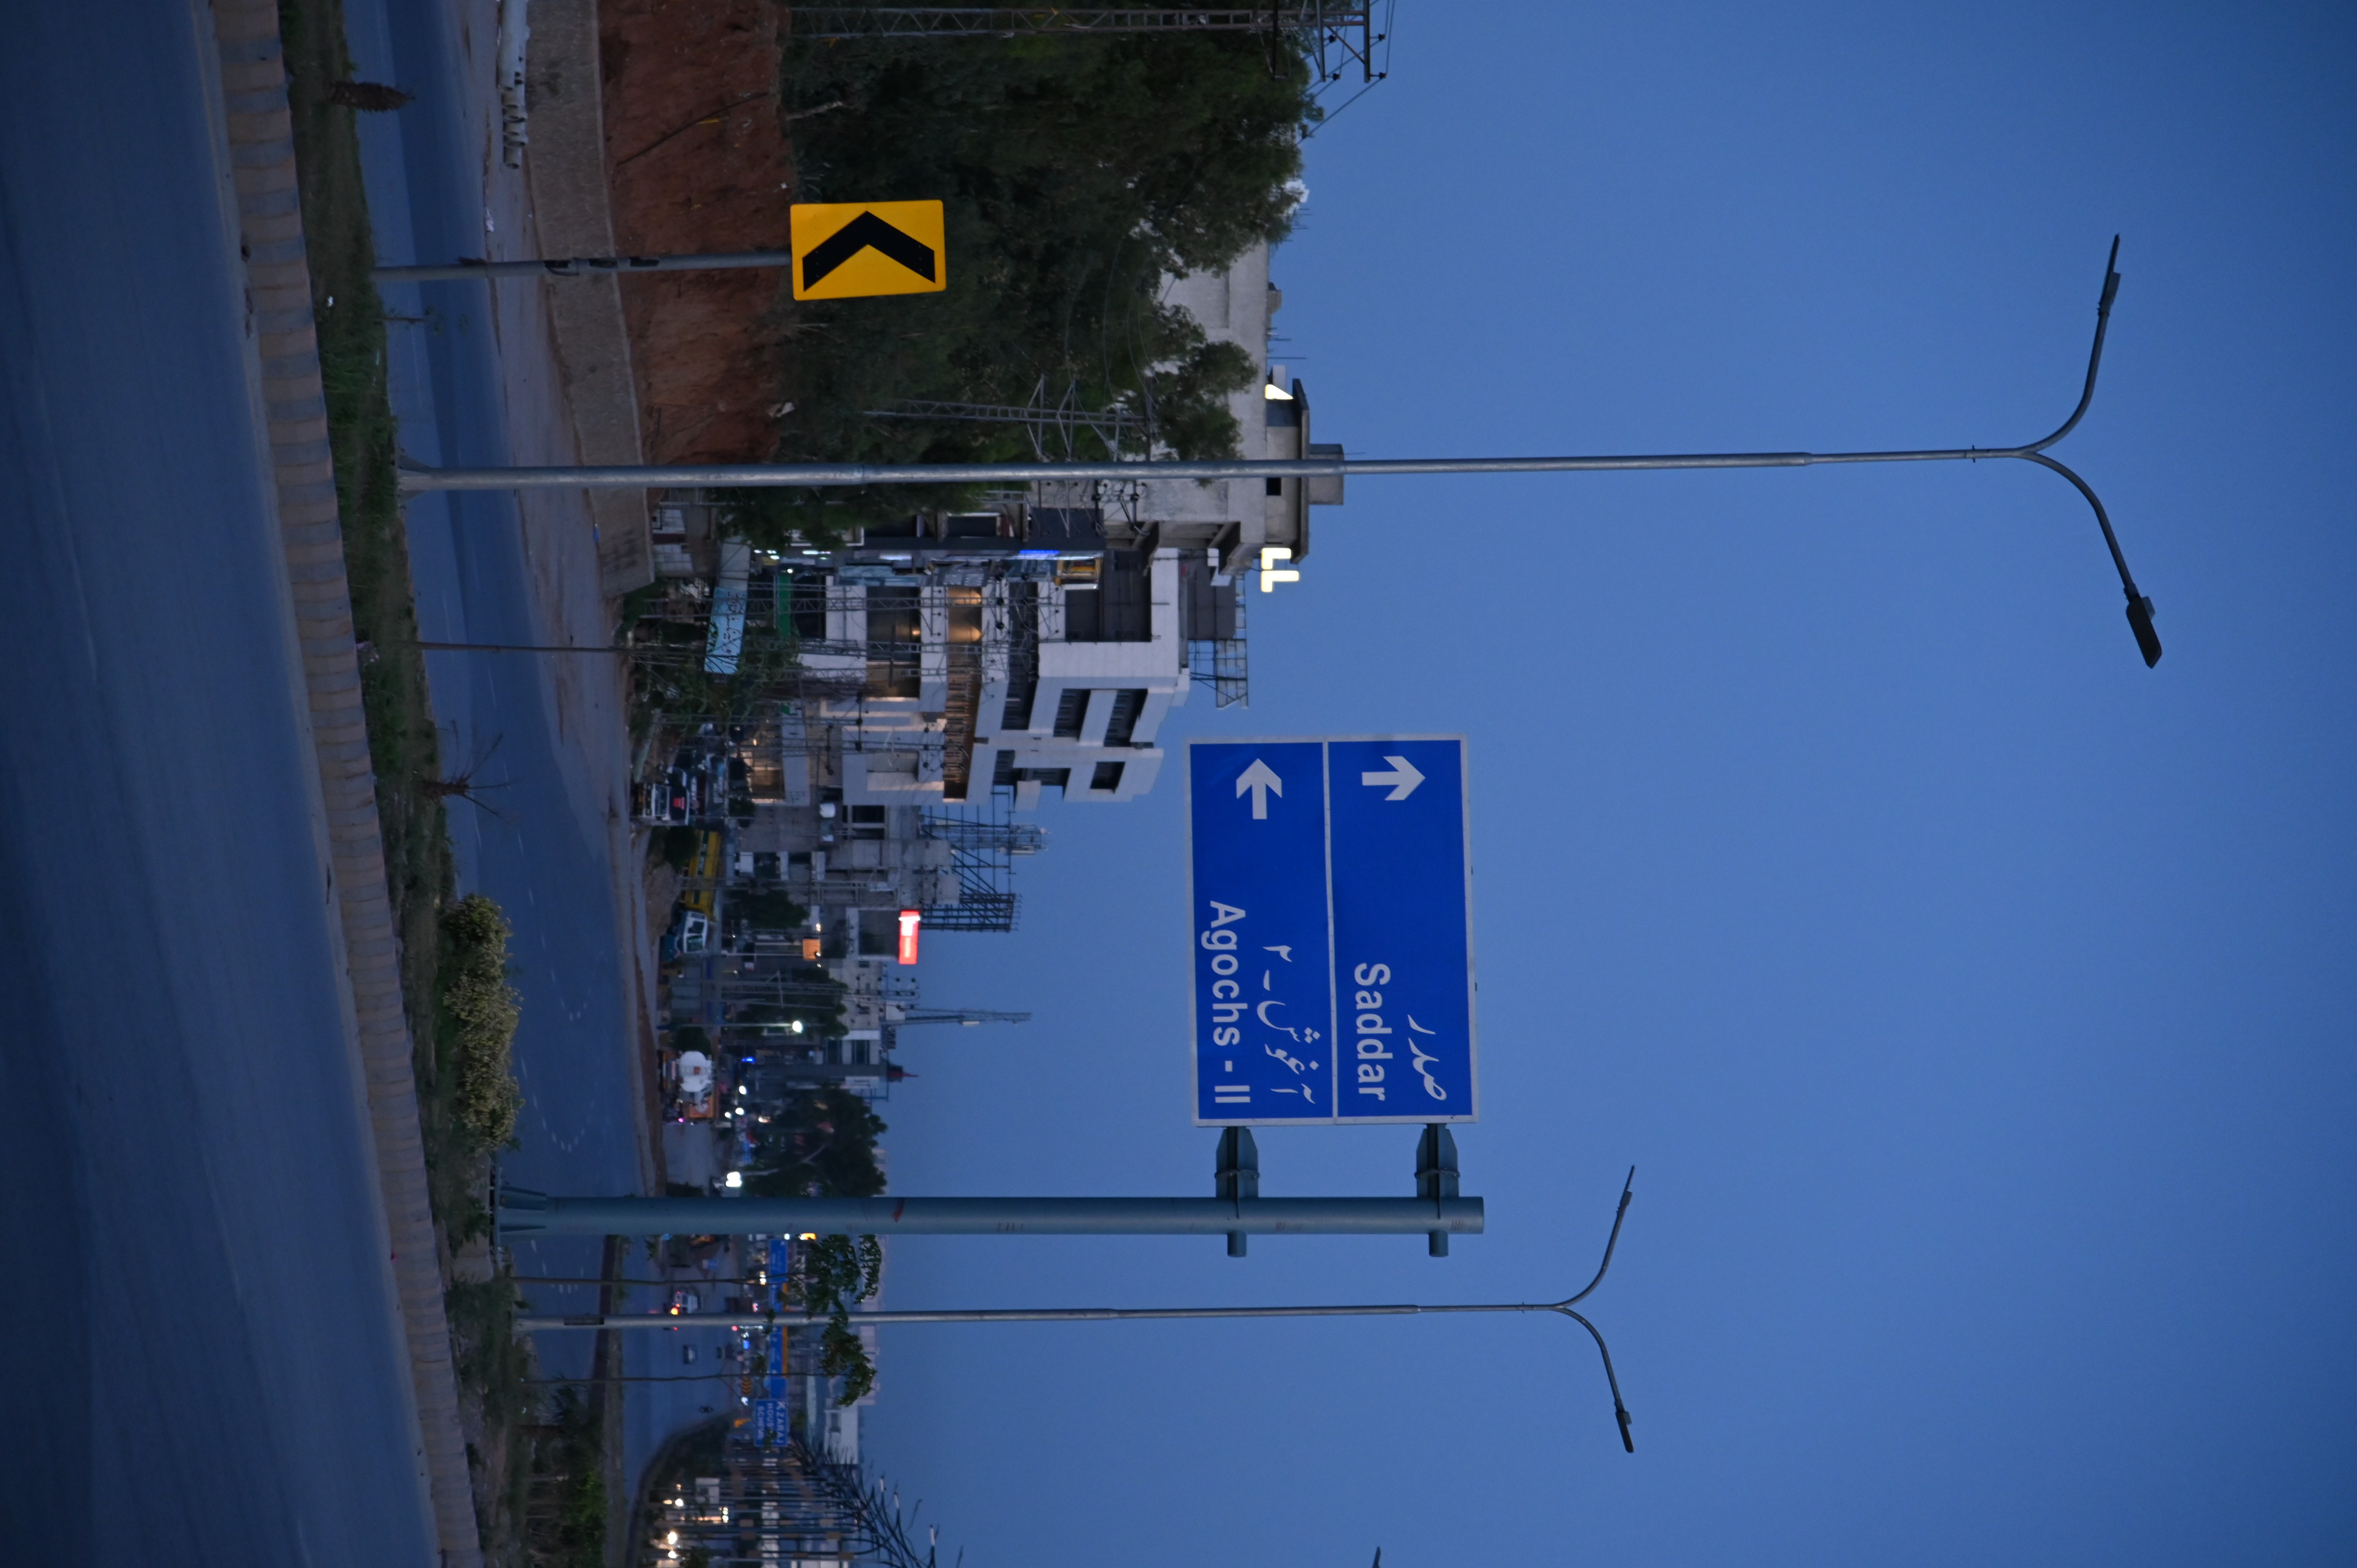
<point x="843" y="250"/>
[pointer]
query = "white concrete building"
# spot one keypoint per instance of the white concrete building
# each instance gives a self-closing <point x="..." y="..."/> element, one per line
<point x="1040" y="644"/>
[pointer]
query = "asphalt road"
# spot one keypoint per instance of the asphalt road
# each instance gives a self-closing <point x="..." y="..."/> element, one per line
<point x="473" y="386"/>
<point x="199" y="1357"/>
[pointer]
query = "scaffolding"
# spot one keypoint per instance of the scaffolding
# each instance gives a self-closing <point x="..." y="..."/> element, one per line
<point x="1220" y="662"/>
<point x="1338" y="38"/>
<point x="1055" y="430"/>
<point x="983" y="846"/>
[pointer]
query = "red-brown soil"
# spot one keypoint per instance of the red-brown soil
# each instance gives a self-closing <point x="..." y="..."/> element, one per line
<point x="697" y="161"/>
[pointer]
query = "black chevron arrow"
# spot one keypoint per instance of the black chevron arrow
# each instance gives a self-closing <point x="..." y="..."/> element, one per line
<point x="859" y="234"/>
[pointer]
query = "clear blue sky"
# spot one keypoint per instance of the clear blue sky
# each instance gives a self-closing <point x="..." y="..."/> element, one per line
<point x="1977" y="1004"/>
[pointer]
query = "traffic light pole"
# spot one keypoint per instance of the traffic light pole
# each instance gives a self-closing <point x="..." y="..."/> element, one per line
<point x="808" y="476"/>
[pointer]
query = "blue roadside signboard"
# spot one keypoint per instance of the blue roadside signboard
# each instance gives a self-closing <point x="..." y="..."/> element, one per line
<point x="1333" y="937"/>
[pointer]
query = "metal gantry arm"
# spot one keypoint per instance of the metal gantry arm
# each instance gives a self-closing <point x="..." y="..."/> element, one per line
<point x="415" y="478"/>
<point x="530" y="1324"/>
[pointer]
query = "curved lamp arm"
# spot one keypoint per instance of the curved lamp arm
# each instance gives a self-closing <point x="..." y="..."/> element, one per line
<point x="1619" y="1410"/>
<point x="2140" y="610"/>
<point x="1610" y="1242"/>
<point x="2094" y="357"/>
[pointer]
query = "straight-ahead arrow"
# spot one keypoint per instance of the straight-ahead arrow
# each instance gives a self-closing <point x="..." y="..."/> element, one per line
<point x="1403" y="779"/>
<point x="1260" y="779"/>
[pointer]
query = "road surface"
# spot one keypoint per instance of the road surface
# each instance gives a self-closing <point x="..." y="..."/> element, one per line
<point x="475" y="382"/>
<point x="200" y="1358"/>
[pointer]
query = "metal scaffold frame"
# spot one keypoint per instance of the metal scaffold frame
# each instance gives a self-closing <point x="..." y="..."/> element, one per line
<point x="1333" y="35"/>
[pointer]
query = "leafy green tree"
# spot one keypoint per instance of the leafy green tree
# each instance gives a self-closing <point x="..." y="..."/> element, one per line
<point x="1077" y="174"/>
<point x="836" y="1272"/>
<point x="823" y="1145"/>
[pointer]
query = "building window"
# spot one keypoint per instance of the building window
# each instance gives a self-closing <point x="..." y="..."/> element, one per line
<point x="806" y="605"/>
<point x="1002" y="772"/>
<point x="1071" y="708"/>
<point x="1021" y="687"/>
<point x="1107" y="776"/>
<point x="879" y="933"/>
<point x="1275" y="487"/>
<point x="1120" y="608"/>
<point x="1123" y="722"/>
<point x="868" y="821"/>
<point x="1051" y="777"/>
<point x="894" y="641"/>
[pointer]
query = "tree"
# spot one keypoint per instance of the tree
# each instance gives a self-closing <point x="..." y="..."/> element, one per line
<point x="837" y="1271"/>
<point x="823" y="1145"/>
<point x="1077" y="174"/>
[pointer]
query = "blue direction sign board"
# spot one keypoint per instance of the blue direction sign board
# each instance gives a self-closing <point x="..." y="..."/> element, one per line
<point x="1332" y="938"/>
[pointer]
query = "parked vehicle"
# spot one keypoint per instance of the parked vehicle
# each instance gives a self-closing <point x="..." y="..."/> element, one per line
<point x="690" y="935"/>
<point x="694" y="1086"/>
<point x="705" y="872"/>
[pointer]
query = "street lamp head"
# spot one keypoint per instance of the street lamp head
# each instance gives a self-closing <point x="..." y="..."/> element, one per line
<point x="2140" y="614"/>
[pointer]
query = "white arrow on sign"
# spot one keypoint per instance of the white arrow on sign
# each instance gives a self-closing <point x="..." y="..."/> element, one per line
<point x="1260" y="779"/>
<point x="1403" y="779"/>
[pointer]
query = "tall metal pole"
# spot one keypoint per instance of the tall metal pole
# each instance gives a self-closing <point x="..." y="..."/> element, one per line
<point x="526" y="1214"/>
<point x="809" y="475"/>
<point x="533" y="1324"/>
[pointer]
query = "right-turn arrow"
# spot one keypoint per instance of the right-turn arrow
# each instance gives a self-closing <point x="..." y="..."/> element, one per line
<point x="1261" y="779"/>
<point x="1403" y="778"/>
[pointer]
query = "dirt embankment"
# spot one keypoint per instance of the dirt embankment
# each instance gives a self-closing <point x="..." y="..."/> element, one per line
<point x="698" y="160"/>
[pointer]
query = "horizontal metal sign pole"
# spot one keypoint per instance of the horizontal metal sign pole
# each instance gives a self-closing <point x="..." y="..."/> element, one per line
<point x="816" y="476"/>
<point x="528" y="1214"/>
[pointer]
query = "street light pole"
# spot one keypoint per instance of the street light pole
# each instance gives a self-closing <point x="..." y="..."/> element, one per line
<point x="524" y="1214"/>
<point x="529" y="1325"/>
<point x="811" y="475"/>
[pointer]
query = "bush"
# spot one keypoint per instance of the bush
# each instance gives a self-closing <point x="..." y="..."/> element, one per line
<point x="482" y="1009"/>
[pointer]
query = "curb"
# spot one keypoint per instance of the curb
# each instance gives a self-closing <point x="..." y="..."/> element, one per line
<point x="566" y="167"/>
<point x="278" y="280"/>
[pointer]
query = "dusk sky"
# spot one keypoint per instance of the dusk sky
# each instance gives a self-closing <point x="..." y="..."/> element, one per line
<point x="1976" y="1003"/>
